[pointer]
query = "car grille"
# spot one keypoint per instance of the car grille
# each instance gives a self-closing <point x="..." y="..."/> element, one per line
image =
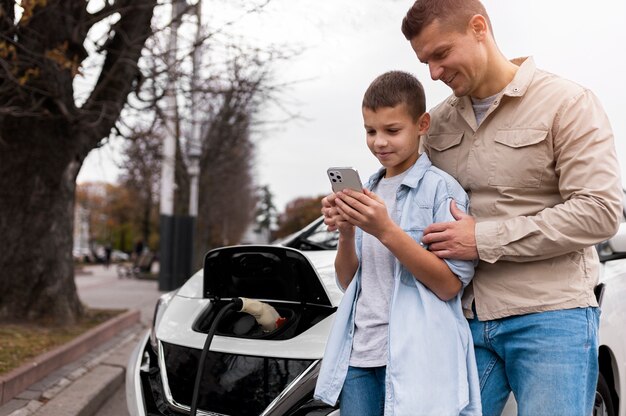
<point x="232" y="384"/>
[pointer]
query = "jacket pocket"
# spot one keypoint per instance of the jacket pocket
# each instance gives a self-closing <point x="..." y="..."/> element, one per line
<point x="520" y="158"/>
<point x="444" y="151"/>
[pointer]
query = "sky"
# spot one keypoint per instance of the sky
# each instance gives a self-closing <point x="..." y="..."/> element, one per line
<point x="347" y="43"/>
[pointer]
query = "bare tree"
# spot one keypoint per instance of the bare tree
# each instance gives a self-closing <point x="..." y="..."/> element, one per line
<point x="228" y="199"/>
<point x="46" y="133"/>
<point x="235" y="83"/>
<point x="140" y="174"/>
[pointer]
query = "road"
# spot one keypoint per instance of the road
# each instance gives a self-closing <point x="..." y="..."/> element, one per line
<point x="99" y="287"/>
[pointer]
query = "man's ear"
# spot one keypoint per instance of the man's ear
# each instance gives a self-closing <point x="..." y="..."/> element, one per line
<point x="478" y="26"/>
<point x="423" y="123"/>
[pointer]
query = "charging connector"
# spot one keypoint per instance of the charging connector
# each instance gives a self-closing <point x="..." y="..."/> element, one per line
<point x="266" y="315"/>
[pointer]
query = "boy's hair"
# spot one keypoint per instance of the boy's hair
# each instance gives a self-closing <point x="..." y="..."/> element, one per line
<point x="453" y="14"/>
<point x="393" y="88"/>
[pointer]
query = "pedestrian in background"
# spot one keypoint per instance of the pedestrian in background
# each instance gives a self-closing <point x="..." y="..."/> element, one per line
<point x="107" y="255"/>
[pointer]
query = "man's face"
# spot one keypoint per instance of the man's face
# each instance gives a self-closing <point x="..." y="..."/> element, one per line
<point x="456" y="58"/>
<point x="393" y="136"/>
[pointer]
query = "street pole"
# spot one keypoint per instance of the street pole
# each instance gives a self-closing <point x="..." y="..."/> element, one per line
<point x="194" y="149"/>
<point x="168" y="165"/>
<point x="194" y="146"/>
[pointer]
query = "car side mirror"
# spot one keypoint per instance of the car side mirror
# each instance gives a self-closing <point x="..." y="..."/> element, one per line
<point x="614" y="247"/>
<point x="618" y="241"/>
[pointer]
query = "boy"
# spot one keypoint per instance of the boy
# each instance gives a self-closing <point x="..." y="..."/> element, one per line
<point x="399" y="344"/>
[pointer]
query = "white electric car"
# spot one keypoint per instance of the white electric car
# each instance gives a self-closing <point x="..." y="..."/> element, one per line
<point x="247" y="371"/>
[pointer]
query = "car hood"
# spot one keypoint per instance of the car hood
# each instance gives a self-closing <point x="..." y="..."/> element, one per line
<point x="263" y="272"/>
<point x="189" y="302"/>
<point x="322" y="262"/>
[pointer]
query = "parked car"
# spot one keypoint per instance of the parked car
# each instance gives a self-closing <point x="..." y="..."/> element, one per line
<point x="251" y="372"/>
<point x="118" y="255"/>
<point x="83" y="254"/>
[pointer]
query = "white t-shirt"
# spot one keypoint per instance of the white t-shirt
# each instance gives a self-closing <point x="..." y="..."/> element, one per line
<point x="369" y="346"/>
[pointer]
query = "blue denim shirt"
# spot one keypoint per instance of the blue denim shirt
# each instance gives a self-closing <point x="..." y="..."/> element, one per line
<point x="431" y="368"/>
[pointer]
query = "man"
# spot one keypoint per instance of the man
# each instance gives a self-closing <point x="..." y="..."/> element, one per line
<point x="535" y="153"/>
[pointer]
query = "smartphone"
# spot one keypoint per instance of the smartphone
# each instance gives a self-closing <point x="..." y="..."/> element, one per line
<point x="344" y="178"/>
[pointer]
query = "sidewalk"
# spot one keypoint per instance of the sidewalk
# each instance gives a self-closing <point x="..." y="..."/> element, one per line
<point x="81" y="387"/>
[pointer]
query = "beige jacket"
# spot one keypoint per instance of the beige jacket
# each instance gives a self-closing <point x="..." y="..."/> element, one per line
<point x="543" y="179"/>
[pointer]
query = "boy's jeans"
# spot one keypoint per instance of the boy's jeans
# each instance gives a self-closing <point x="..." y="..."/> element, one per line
<point x="549" y="360"/>
<point x="363" y="392"/>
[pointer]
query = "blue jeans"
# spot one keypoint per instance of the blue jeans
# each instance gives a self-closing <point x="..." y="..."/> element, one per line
<point x="363" y="392"/>
<point x="549" y="360"/>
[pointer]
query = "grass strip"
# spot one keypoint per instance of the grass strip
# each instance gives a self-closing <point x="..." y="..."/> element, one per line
<point x="20" y="343"/>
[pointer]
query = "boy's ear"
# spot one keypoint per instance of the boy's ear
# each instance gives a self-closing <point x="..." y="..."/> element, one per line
<point x="423" y="123"/>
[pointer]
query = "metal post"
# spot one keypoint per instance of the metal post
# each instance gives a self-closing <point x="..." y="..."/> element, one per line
<point x="194" y="149"/>
<point x="168" y="165"/>
<point x="194" y="146"/>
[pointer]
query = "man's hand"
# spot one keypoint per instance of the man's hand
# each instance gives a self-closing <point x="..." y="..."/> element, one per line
<point x="453" y="240"/>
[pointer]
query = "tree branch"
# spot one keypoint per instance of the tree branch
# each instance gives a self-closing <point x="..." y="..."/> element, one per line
<point x="120" y="67"/>
<point x="7" y="16"/>
<point x="106" y="11"/>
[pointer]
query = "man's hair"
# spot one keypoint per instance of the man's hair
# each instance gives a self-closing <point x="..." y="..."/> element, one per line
<point x="453" y="14"/>
<point x="393" y="88"/>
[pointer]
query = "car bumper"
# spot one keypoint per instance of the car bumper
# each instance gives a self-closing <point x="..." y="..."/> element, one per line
<point x="135" y="400"/>
<point x="145" y="396"/>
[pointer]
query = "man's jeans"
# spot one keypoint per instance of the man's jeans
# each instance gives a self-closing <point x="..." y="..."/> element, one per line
<point x="363" y="392"/>
<point x="549" y="360"/>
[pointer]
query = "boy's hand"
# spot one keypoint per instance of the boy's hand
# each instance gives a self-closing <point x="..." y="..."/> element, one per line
<point x="453" y="240"/>
<point x="365" y="210"/>
<point x="333" y="220"/>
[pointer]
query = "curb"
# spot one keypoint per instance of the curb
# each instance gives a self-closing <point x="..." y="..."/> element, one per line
<point x="85" y="398"/>
<point x="19" y="379"/>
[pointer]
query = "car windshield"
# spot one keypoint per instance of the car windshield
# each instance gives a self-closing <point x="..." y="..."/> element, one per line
<point x="313" y="237"/>
<point x="320" y="235"/>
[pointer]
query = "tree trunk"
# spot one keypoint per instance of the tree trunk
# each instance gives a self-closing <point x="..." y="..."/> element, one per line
<point x="37" y="184"/>
<point x="44" y="138"/>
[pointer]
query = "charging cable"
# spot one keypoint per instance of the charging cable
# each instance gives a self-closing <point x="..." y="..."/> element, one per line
<point x="266" y="316"/>
<point x="234" y="304"/>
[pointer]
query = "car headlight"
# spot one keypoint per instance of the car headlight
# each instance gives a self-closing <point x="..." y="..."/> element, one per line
<point x="159" y="310"/>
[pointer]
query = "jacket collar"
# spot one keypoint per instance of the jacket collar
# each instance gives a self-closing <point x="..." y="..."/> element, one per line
<point x="523" y="77"/>
<point x="516" y="88"/>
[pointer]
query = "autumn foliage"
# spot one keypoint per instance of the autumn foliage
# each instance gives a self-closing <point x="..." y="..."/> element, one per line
<point x="298" y="213"/>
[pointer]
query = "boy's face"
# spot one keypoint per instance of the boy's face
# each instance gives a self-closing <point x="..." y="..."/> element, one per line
<point x="393" y="136"/>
